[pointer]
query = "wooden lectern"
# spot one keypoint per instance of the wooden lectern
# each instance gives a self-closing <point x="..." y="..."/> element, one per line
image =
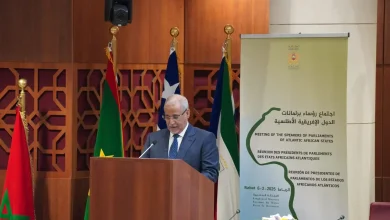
<point x="148" y="189"/>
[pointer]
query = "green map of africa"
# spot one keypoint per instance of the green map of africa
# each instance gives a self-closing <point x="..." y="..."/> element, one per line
<point x="248" y="146"/>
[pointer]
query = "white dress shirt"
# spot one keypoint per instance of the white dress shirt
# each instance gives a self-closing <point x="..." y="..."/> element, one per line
<point x="179" y="139"/>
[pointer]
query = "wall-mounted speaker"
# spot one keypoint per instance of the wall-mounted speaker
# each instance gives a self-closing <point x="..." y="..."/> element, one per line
<point x="118" y="12"/>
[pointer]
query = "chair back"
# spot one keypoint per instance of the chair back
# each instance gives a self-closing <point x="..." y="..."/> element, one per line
<point x="380" y="211"/>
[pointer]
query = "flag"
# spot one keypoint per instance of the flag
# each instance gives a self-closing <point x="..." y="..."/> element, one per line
<point x="18" y="200"/>
<point x="171" y="86"/>
<point x="222" y="124"/>
<point x="109" y="138"/>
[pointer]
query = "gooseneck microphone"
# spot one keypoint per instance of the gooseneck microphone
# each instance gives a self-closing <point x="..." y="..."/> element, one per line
<point x="151" y="145"/>
<point x="237" y="211"/>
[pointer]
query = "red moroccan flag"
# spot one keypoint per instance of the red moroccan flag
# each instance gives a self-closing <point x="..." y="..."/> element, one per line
<point x="17" y="200"/>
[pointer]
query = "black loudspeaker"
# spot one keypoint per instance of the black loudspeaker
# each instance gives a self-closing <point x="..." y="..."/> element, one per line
<point x="118" y="12"/>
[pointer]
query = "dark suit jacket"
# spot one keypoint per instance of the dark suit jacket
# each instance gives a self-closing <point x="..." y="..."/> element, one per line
<point x="198" y="148"/>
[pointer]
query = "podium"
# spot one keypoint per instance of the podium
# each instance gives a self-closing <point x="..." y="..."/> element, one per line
<point x="148" y="189"/>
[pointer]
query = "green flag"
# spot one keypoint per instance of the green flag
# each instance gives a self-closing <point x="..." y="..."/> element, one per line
<point x="222" y="124"/>
<point x="109" y="138"/>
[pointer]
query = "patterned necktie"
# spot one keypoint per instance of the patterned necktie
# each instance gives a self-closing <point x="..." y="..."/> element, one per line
<point x="174" y="147"/>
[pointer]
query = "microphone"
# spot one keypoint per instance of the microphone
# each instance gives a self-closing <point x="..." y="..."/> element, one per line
<point x="151" y="145"/>
<point x="237" y="211"/>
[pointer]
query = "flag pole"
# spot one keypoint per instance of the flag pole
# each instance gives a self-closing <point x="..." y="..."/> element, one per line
<point x="229" y="30"/>
<point x="22" y="83"/>
<point x="174" y="32"/>
<point x="114" y="30"/>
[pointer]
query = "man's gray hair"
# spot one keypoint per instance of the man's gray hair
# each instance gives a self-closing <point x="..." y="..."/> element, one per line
<point x="177" y="99"/>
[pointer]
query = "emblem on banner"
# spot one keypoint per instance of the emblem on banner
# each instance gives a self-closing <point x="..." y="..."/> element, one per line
<point x="293" y="56"/>
<point x="222" y="164"/>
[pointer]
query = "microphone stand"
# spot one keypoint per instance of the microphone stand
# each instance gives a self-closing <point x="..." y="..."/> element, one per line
<point x="151" y="145"/>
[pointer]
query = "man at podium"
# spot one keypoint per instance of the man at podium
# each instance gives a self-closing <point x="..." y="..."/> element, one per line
<point x="180" y="140"/>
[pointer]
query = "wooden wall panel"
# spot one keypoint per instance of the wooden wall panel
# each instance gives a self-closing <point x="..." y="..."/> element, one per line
<point x="205" y="21"/>
<point x="380" y="31"/>
<point x="36" y="31"/>
<point x="48" y="100"/>
<point x="379" y="102"/>
<point x="386" y="189"/>
<point x="385" y="131"/>
<point x="49" y="105"/>
<point x="54" y="200"/>
<point x="378" y="189"/>
<point x="80" y="187"/>
<point x="386" y="32"/>
<point x="379" y="133"/>
<point x="202" y="90"/>
<point x="382" y="127"/>
<point x="52" y="39"/>
<point x="145" y="40"/>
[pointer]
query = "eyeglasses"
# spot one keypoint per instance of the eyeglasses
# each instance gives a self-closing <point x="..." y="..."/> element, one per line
<point x="174" y="117"/>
